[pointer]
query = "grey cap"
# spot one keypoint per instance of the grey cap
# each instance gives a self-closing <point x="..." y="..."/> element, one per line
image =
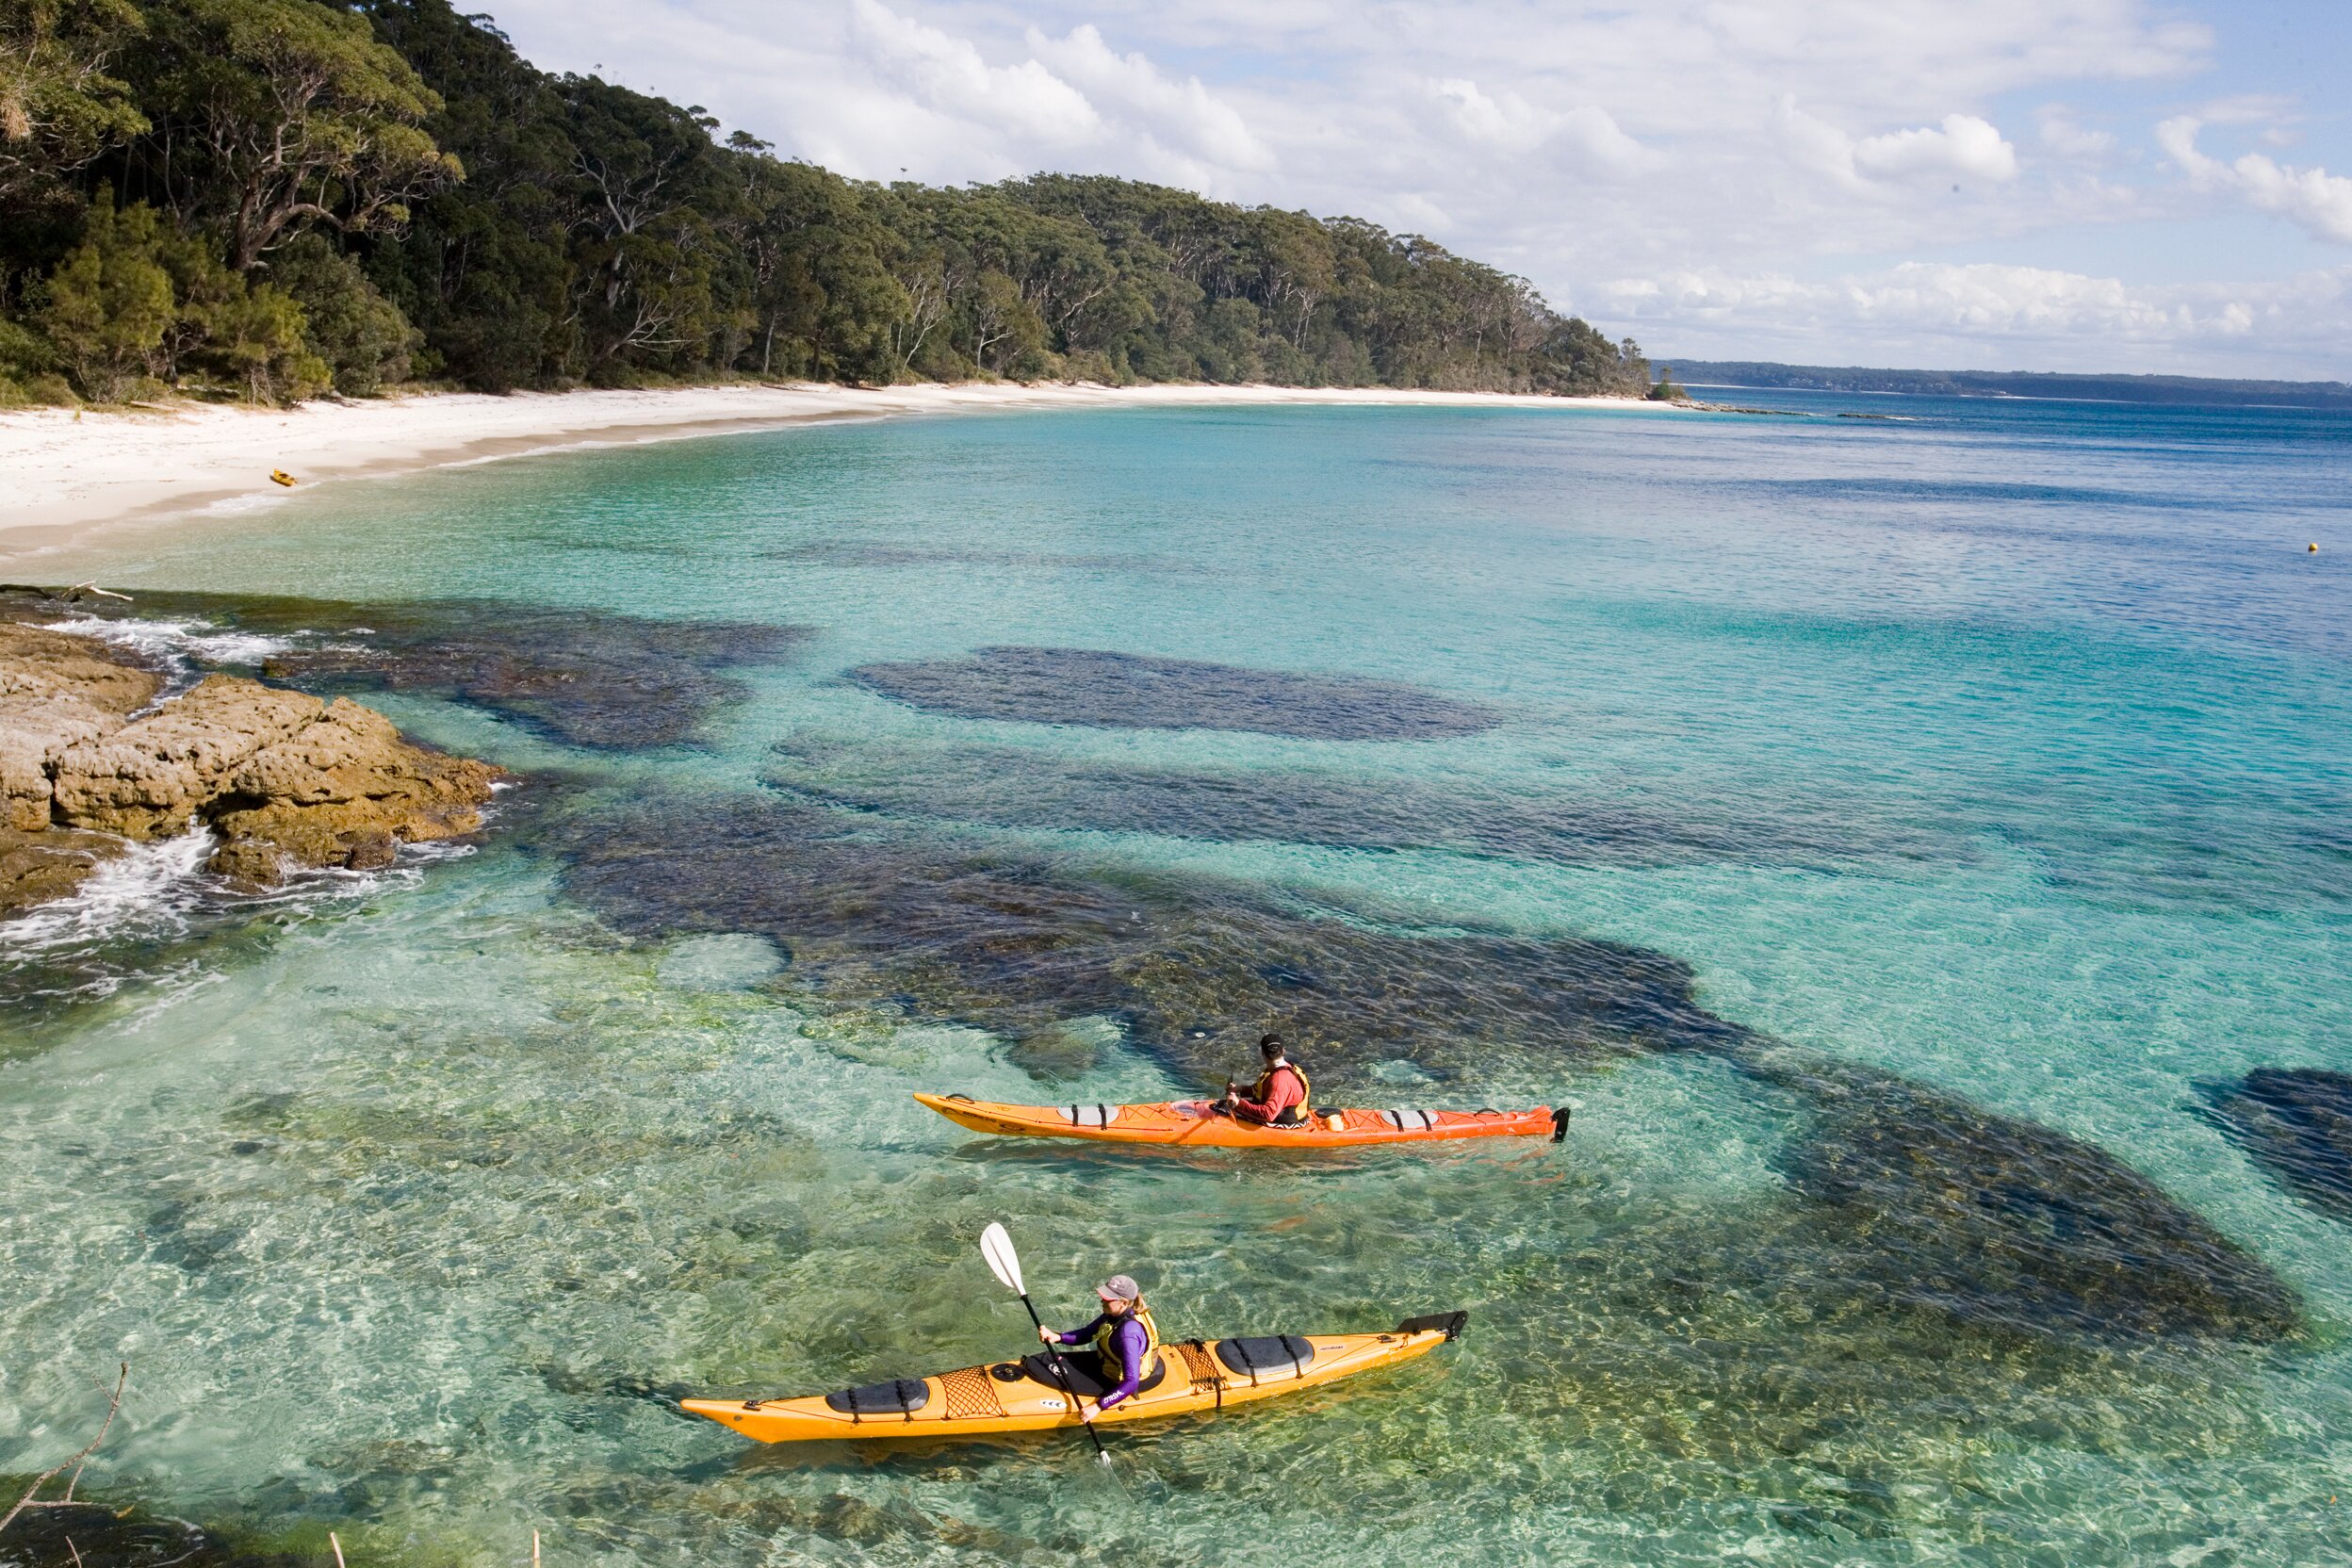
<point x="1118" y="1287"/>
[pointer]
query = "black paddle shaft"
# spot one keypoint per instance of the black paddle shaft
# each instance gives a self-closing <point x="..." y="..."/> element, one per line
<point x="1053" y="1348"/>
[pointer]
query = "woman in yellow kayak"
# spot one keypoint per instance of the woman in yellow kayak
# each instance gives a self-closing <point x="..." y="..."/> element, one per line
<point x="1124" y="1338"/>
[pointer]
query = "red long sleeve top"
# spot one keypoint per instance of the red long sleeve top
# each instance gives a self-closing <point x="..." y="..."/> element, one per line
<point x="1280" y="1095"/>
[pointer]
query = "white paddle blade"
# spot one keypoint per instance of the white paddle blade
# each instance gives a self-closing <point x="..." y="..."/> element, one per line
<point x="1003" y="1262"/>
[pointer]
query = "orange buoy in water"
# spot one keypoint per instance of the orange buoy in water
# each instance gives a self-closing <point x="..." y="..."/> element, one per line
<point x="279" y="475"/>
<point x="2314" y="550"/>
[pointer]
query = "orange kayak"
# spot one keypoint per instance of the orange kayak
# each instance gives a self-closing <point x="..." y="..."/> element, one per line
<point x="1029" y="1394"/>
<point x="1198" y="1124"/>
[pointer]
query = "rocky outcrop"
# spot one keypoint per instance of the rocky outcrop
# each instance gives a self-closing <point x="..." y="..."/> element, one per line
<point x="345" y="790"/>
<point x="56" y="691"/>
<point x="287" y="779"/>
<point x="149" y="777"/>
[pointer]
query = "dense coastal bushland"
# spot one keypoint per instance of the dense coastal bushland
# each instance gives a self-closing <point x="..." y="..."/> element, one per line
<point x="274" y="198"/>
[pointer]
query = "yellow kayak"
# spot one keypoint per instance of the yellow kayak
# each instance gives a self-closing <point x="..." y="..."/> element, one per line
<point x="1028" y="1394"/>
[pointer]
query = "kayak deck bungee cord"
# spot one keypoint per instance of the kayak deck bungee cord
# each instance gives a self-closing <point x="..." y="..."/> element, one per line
<point x="1197" y="1123"/>
<point x="1031" y="1394"/>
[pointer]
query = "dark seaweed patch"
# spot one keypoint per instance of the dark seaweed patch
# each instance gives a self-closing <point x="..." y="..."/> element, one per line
<point x="588" y="677"/>
<point x="1732" y="1351"/>
<point x="1021" y="787"/>
<point x="2001" y="1220"/>
<point x="1127" y="691"/>
<point x="2296" y="1124"/>
<point x="1194" y="969"/>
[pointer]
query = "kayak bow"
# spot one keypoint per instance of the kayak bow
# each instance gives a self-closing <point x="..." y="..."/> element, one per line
<point x="1026" y="1396"/>
<point x="1196" y="1123"/>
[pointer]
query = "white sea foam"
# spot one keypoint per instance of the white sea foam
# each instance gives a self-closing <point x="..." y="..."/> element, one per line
<point x="146" y="893"/>
<point x="234" y="506"/>
<point x="178" y="642"/>
<point x="105" y="932"/>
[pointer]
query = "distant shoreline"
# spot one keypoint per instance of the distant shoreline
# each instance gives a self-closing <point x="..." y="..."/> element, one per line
<point x="71" y="476"/>
<point x="1991" y="397"/>
<point x="1748" y="375"/>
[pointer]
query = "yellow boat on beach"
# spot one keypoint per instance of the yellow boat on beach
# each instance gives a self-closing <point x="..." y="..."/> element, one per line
<point x="1030" y="1395"/>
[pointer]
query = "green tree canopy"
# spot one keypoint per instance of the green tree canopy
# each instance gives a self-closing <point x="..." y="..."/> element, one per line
<point x="271" y="113"/>
<point x="353" y="190"/>
<point x="59" y="108"/>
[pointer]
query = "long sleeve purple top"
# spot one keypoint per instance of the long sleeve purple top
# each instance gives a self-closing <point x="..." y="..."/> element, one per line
<point x="1129" y="1339"/>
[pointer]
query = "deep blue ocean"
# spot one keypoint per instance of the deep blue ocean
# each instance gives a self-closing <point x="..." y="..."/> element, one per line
<point x="1899" y="825"/>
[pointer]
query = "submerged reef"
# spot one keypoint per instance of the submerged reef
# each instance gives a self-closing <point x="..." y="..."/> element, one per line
<point x="1129" y="691"/>
<point x="2000" y="1220"/>
<point x="1924" y="1200"/>
<point x="588" y="678"/>
<point x="2296" y="1124"/>
<point x="1192" y="969"/>
<point x="1028" y="788"/>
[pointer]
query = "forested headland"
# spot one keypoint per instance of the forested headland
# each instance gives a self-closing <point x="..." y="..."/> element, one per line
<point x="274" y="199"/>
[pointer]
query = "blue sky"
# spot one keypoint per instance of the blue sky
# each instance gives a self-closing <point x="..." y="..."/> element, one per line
<point x="2096" y="185"/>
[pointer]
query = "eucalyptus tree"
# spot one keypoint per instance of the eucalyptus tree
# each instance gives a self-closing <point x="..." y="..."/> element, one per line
<point x="60" y="106"/>
<point x="271" y="114"/>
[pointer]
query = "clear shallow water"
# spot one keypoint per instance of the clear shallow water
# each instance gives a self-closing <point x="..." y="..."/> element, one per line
<point x="2002" y="747"/>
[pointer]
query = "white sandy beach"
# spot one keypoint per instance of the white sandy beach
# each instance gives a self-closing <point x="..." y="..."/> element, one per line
<point x="68" y="474"/>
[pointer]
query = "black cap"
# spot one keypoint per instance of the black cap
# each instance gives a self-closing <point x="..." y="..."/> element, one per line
<point x="1269" y="1043"/>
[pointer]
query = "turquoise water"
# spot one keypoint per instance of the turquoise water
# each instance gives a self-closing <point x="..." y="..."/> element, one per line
<point x="2002" y="747"/>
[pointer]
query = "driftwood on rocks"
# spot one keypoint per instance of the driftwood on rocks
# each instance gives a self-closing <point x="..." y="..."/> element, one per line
<point x="286" y="778"/>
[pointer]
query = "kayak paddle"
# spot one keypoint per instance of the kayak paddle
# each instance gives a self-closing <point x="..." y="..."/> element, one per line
<point x="1005" y="1263"/>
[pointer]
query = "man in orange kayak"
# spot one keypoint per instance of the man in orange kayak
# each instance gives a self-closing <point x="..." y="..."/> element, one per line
<point x="1126" y="1342"/>
<point x="1279" y="1099"/>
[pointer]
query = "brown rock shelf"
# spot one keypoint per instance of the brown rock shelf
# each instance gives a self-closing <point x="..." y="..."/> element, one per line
<point x="287" y="779"/>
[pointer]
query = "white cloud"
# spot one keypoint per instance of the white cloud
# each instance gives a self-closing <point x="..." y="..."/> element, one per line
<point x="1963" y="146"/>
<point x="950" y="76"/>
<point x="1590" y="136"/>
<point x="2067" y="138"/>
<point x="2321" y="202"/>
<point x="1182" y="116"/>
<point x="1507" y="122"/>
<point x="1814" y="143"/>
